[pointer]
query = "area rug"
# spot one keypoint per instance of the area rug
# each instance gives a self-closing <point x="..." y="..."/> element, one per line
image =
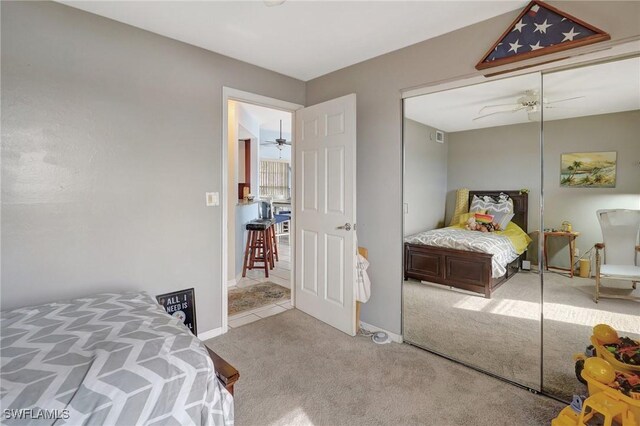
<point x="256" y="296"/>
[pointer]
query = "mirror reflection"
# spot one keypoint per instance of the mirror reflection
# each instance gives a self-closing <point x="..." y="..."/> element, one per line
<point x="471" y="218"/>
<point x="591" y="219"/>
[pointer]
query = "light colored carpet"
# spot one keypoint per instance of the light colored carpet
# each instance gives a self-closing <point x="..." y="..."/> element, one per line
<point x="256" y="296"/>
<point x="502" y="334"/>
<point x="296" y="370"/>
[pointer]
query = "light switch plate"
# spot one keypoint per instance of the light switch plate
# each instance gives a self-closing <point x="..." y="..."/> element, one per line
<point x="212" y="199"/>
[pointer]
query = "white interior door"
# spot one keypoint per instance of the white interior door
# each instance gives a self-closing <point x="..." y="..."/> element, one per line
<point x="325" y="189"/>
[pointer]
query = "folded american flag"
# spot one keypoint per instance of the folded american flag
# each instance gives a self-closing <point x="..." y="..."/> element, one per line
<point x="540" y="27"/>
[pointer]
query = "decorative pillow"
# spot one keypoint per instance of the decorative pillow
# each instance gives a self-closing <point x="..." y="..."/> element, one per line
<point x="501" y="207"/>
<point x="478" y="204"/>
<point x="503" y="204"/>
<point x="502" y="219"/>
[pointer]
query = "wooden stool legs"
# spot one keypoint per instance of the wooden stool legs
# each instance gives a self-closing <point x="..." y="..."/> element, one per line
<point x="274" y="242"/>
<point x="246" y="255"/>
<point x="259" y="248"/>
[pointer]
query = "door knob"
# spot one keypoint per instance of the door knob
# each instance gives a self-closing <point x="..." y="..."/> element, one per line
<point x="346" y="227"/>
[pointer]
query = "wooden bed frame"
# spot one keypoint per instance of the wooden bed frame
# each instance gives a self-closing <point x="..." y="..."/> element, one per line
<point x="226" y="373"/>
<point x="463" y="269"/>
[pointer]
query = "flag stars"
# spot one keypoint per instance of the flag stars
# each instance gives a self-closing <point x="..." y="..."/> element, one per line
<point x="499" y="44"/>
<point x="515" y="46"/>
<point x="535" y="46"/>
<point x="519" y="26"/>
<point x="570" y="35"/>
<point x="542" y="27"/>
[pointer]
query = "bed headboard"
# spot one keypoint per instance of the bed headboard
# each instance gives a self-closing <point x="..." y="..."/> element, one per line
<point x="520" y="204"/>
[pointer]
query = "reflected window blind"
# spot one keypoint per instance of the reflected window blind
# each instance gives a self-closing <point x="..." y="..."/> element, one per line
<point x="275" y="179"/>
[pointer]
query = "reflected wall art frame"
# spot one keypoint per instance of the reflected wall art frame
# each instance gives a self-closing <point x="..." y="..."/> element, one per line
<point x="588" y="169"/>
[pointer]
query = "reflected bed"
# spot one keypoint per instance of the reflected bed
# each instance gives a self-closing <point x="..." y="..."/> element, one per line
<point x="475" y="271"/>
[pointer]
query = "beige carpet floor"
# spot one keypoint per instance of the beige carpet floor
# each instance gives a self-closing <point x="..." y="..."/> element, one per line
<point x="502" y="334"/>
<point x="296" y="370"/>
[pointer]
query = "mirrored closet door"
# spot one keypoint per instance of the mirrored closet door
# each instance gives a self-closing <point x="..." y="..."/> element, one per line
<point x="591" y="196"/>
<point x="472" y="289"/>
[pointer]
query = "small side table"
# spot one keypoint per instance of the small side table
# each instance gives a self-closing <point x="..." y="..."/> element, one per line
<point x="571" y="236"/>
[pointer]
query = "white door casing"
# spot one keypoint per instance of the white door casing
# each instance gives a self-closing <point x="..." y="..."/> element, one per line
<point x="325" y="176"/>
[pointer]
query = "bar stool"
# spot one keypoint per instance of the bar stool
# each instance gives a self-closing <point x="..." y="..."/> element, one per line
<point x="259" y="248"/>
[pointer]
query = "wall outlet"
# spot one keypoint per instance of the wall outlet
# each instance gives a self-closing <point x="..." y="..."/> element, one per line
<point x="526" y="265"/>
<point x="576" y="252"/>
<point x="212" y="199"/>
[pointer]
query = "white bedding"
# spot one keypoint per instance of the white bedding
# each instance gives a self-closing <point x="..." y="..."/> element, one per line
<point x="460" y="239"/>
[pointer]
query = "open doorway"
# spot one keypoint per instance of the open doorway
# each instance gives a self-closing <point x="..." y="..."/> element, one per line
<point x="322" y="243"/>
<point x="259" y="214"/>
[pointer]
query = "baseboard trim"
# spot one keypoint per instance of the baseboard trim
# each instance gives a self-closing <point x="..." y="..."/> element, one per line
<point x="210" y="334"/>
<point x="393" y="336"/>
<point x="232" y="283"/>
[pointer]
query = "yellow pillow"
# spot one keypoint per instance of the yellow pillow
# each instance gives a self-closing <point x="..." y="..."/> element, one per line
<point x="518" y="237"/>
<point x="465" y="216"/>
<point x="462" y="205"/>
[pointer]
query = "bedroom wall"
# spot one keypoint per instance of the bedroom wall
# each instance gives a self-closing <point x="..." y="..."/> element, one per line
<point x="425" y="178"/>
<point x="378" y="84"/>
<point x="111" y="135"/>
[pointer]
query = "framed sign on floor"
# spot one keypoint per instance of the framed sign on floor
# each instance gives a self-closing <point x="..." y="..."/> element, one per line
<point x="181" y="305"/>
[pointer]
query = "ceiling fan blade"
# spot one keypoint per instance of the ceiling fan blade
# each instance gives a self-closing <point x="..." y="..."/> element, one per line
<point x="564" y="100"/>
<point x="559" y="107"/>
<point x="500" y="112"/>
<point x="497" y="105"/>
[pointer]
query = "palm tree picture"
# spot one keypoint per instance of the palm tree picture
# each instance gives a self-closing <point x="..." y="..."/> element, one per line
<point x="588" y="169"/>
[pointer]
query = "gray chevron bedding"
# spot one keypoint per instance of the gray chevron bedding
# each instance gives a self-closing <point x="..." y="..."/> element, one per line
<point x="114" y="359"/>
<point x="460" y="239"/>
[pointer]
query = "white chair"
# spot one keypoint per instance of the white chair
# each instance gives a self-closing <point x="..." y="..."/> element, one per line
<point x="620" y="231"/>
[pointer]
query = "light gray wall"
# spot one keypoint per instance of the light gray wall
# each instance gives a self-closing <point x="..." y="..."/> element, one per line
<point x="505" y="157"/>
<point x="610" y="132"/>
<point x="425" y="178"/>
<point x="111" y="135"/>
<point x="378" y="83"/>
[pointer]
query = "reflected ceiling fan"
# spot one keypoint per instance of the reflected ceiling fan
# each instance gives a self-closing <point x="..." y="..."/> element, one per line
<point x="530" y="102"/>
<point x="280" y="142"/>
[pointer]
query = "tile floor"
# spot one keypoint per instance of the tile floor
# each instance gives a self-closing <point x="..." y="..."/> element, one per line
<point x="280" y="275"/>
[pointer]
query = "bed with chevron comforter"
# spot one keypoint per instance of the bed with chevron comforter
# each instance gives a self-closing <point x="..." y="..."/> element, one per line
<point x="460" y="239"/>
<point x="115" y="359"/>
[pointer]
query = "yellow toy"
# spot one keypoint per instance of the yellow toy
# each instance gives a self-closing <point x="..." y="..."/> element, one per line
<point x="612" y="384"/>
<point x="611" y="404"/>
<point x="603" y="334"/>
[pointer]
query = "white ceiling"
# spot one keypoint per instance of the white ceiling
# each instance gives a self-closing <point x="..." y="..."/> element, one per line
<point x="301" y="39"/>
<point x="607" y="88"/>
<point x="268" y="118"/>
